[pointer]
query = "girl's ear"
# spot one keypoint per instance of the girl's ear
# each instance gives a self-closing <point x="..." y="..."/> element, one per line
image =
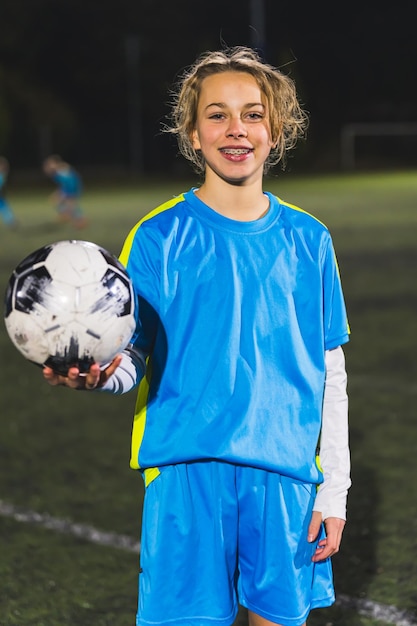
<point x="195" y="140"/>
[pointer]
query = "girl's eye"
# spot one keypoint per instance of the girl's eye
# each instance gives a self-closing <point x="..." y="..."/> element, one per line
<point x="216" y="116"/>
<point x="255" y="115"/>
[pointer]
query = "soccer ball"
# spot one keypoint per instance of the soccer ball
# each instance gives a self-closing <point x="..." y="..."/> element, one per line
<point x="70" y="303"/>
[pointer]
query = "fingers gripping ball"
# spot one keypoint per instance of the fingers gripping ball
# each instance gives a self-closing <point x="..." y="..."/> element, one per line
<point x="70" y="303"/>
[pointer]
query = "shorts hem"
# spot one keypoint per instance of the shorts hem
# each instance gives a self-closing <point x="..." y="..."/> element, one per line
<point x="191" y="621"/>
<point x="323" y="603"/>
<point x="291" y="621"/>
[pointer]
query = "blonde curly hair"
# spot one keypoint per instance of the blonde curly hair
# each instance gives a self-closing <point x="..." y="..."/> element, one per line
<point x="288" y="121"/>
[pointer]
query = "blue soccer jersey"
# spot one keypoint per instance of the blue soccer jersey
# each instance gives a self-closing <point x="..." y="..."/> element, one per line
<point x="69" y="182"/>
<point x="236" y="317"/>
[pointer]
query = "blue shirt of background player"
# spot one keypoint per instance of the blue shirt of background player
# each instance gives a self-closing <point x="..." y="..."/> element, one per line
<point x="69" y="182"/>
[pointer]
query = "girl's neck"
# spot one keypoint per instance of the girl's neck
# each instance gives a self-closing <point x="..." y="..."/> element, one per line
<point x="244" y="203"/>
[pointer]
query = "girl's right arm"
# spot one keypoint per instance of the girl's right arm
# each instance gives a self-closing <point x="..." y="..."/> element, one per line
<point x="120" y="376"/>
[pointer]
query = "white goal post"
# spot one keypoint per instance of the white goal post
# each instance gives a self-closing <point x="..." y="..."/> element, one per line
<point x="351" y="132"/>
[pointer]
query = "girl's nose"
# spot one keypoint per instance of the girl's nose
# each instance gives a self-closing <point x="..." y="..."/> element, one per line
<point x="236" y="128"/>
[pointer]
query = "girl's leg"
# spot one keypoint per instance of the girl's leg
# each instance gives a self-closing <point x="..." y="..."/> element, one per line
<point x="257" y="620"/>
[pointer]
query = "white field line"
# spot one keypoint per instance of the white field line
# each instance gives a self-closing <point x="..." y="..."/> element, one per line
<point x="383" y="612"/>
<point x="83" y="531"/>
<point x="374" y="610"/>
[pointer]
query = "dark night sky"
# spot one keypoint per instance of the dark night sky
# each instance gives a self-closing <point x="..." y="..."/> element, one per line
<point x="64" y="77"/>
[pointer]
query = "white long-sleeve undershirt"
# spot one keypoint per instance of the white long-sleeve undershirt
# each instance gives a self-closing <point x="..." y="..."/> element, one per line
<point x="331" y="496"/>
<point x="128" y="374"/>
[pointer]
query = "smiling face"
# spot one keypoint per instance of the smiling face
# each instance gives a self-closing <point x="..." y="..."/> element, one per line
<point x="232" y="127"/>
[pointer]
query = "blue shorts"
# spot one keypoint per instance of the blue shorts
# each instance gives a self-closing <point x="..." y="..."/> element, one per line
<point x="216" y="535"/>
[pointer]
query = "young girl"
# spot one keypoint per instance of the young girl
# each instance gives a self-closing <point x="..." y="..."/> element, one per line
<point x="242" y="320"/>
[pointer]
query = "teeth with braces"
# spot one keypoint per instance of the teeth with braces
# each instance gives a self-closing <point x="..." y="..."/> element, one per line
<point x="237" y="151"/>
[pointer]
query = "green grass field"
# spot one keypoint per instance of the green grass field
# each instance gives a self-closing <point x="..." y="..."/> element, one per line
<point x="66" y="455"/>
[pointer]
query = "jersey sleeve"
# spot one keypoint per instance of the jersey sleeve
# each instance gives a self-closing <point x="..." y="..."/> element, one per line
<point x="336" y="326"/>
<point x="142" y="258"/>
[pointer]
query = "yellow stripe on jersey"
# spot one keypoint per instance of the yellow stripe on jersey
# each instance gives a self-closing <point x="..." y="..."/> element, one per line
<point x="318" y="463"/>
<point x="127" y="246"/>
<point x="150" y="474"/>
<point x="297" y="208"/>
<point x="139" y="420"/>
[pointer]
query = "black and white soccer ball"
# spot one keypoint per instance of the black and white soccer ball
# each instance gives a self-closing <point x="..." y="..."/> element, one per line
<point x="70" y="303"/>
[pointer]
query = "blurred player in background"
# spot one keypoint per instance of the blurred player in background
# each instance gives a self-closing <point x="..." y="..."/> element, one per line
<point x="239" y="355"/>
<point x="6" y="212"/>
<point x="67" y="197"/>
